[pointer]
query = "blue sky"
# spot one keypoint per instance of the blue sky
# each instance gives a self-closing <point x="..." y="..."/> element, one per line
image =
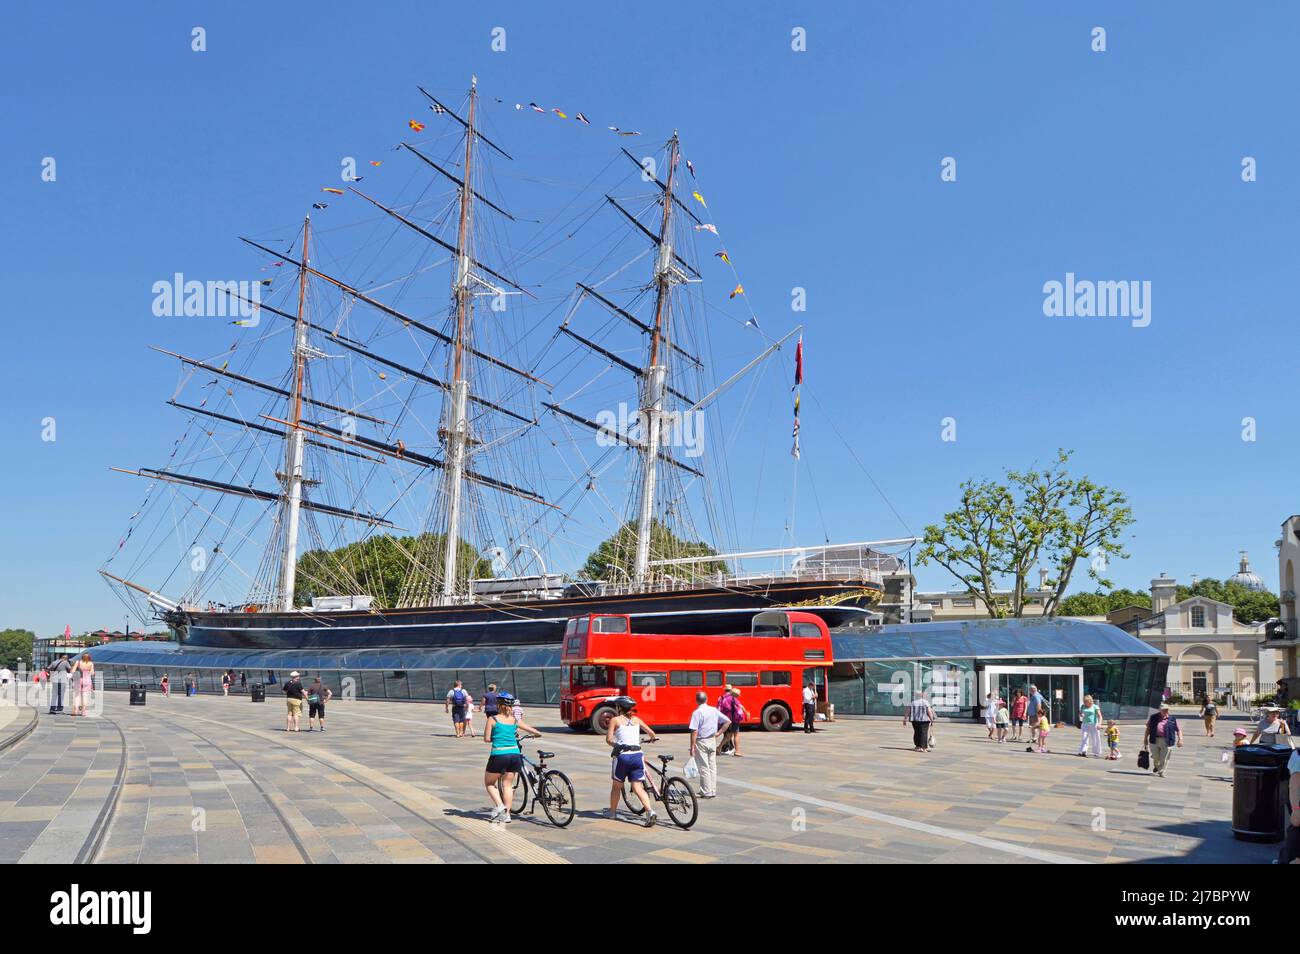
<point x="823" y="167"/>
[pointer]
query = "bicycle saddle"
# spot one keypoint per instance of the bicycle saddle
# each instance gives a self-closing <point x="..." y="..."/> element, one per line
<point x="545" y="755"/>
<point x="665" y="758"/>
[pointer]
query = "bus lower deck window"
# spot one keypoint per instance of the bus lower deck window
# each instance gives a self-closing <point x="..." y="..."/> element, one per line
<point x="649" y="679"/>
<point x="714" y="678"/>
<point x="685" y="677"/>
<point x="743" y="678"/>
<point x="772" y="678"/>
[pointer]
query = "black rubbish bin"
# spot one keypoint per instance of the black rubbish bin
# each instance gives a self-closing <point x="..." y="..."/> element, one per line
<point x="1259" y="792"/>
<point x="257" y="692"/>
<point x="137" y="694"/>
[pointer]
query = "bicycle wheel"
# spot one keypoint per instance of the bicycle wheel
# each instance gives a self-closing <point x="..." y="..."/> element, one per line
<point x="520" y="803"/>
<point x="631" y="801"/>
<point x="555" y="792"/>
<point x="680" y="802"/>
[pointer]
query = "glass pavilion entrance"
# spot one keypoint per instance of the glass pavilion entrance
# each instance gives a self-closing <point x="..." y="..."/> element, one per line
<point x="1061" y="686"/>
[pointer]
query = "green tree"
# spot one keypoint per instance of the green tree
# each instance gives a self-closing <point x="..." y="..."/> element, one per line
<point x="1098" y="603"/>
<point x="380" y="567"/>
<point x="1248" y="606"/>
<point x="1003" y="529"/>
<point x="15" y="644"/>
<point x="612" y="561"/>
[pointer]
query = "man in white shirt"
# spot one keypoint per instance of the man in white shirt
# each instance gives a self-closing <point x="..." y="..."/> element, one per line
<point x="707" y="723"/>
<point x="809" y="707"/>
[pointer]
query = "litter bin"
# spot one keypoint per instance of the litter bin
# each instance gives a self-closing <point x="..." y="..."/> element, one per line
<point x="1259" y="792"/>
<point x="137" y="694"/>
<point x="257" y="692"/>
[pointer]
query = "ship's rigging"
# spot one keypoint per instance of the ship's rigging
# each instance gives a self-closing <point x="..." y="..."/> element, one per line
<point x="469" y="424"/>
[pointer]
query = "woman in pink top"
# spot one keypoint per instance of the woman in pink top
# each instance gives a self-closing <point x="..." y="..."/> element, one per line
<point x="83" y="685"/>
<point x="1019" y="705"/>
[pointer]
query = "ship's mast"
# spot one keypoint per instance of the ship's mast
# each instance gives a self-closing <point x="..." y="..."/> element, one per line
<point x="457" y="433"/>
<point x="655" y="373"/>
<point x="295" y="439"/>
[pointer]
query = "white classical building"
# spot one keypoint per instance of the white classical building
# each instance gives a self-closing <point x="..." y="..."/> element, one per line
<point x="1209" y="649"/>
<point x="1285" y="638"/>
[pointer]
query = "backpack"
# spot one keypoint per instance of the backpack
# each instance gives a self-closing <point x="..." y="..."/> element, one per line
<point x="458" y="697"/>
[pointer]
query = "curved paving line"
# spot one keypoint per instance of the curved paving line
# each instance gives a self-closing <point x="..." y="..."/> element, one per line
<point x="516" y="846"/>
<point x="94" y="842"/>
<point x="21" y="733"/>
<point x="284" y="821"/>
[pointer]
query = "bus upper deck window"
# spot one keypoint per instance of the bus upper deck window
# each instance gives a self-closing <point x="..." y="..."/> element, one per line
<point x="611" y="624"/>
<point x="581" y="629"/>
<point x="807" y="630"/>
<point x="571" y="628"/>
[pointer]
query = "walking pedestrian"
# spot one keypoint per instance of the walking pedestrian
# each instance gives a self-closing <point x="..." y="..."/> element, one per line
<point x="83" y="684"/>
<point x="1089" y="728"/>
<point x="225" y="682"/>
<point x="1036" y="702"/>
<point x="1019" y="705"/>
<point x="624" y="739"/>
<point x="1043" y="727"/>
<point x="1162" y="734"/>
<point x="809" y="707"/>
<point x="991" y="706"/>
<point x="293" y="694"/>
<point x="317" y="695"/>
<point x="1003" y="720"/>
<point x="1112" y="740"/>
<point x="469" y="719"/>
<point x="490" y="705"/>
<point x="706" y="724"/>
<point x="61" y="670"/>
<point x="505" y="759"/>
<point x="1210" y="714"/>
<point x="455" y="703"/>
<point x="1272" y="729"/>
<point x="1290" y="853"/>
<point x="734" y="711"/>
<point x="243" y="679"/>
<point x="920" y="714"/>
<point x="165" y="684"/>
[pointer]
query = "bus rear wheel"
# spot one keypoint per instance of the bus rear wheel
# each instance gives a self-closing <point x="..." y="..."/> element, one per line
<point x="600" y="719"/>
<point x="775" y="717"/>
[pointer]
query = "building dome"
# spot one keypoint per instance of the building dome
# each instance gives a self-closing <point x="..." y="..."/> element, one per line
<point x="1247" y="577"/>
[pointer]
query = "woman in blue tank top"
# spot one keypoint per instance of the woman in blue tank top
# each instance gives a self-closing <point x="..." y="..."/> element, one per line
<point x="502" y="733"/>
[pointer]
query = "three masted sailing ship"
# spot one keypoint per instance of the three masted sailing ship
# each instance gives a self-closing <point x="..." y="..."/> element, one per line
<point x="459" y="425"/>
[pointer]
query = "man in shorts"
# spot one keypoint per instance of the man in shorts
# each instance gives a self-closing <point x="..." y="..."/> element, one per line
<point x="293" y="694"/>
<point x="317" y="696"/>
<point x="456" y="702"/>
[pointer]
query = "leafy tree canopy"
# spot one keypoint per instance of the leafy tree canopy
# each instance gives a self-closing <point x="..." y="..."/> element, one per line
<point x="13" y="644"/>
<point x="1099" y="603"/>
<point x="612" y="561"/>
<point x="1002" y="530"/>
<point x="380" y="566"/>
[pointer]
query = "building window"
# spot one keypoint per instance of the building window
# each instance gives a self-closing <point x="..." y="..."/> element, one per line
<point x="1198" y="617"/>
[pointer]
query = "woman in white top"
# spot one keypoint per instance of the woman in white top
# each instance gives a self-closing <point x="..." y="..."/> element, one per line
<point x="1273" y="730"/>
<point x="624" y="738"/>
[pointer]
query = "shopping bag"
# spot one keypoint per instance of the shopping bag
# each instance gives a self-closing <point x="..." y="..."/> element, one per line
<point x="691" y="770"/>
<point x="1144" y="759"/>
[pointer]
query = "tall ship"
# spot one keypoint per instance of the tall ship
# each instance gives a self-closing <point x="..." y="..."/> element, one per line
<point x="428" y="415"/>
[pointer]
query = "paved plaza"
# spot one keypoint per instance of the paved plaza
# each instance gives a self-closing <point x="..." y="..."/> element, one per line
<point x="210" y="779"/>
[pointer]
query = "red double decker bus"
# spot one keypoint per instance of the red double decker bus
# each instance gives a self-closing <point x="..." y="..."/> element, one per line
<point x="603" y="658"/>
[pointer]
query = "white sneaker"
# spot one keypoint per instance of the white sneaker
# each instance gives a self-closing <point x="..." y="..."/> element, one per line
<point x="650" y="819"/>
<point x="496" y="814"/>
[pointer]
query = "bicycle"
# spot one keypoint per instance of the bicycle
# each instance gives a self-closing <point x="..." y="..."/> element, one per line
<point x="673" y="791"/>
<point x="551" y="787"/>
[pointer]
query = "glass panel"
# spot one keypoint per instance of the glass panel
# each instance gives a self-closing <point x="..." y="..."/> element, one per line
<point x="775" y="678"/>
<point x="396" y="685"/>
<point x="685" y="677"/>
<point x="642" y="678"/>
<point x="529" y="687"/>
<point x="713" y="677"/>
<point x="419" y="683"/>
<point x="742" y="678"/>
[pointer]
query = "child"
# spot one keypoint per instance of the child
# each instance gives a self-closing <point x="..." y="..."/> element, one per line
<point x="1044" y="727"/>
<point x="166" y="685"/>
<point x="469" y="720"/>
<point x="517" y="711"/>
<point x="1239" y="737"/>
<point x="1112" y="740"/>
<point x="1003" y="720"/>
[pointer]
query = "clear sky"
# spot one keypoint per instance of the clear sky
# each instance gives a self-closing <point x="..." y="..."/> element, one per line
<point x="925" y="297"/>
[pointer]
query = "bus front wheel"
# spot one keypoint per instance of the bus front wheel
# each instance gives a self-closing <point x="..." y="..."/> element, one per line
<point x="775" y="717"/>
<point x="600" y="719"/>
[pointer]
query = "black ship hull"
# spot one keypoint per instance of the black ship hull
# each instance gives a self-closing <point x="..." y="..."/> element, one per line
<point x="525" y="623"/>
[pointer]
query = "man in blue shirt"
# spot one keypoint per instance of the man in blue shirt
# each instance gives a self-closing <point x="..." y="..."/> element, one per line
<point x="1036" y="701"/>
